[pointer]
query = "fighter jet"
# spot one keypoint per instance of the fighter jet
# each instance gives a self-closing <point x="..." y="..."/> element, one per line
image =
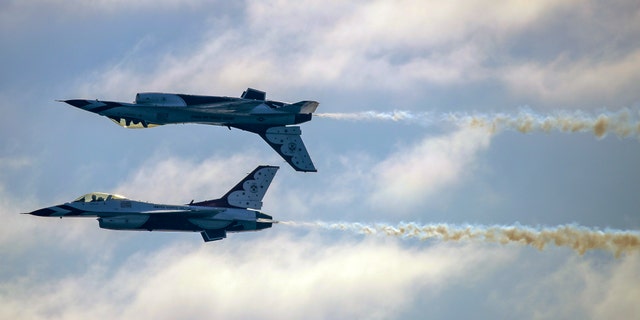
<point x="212" y="218"/>
<point x="251" y="112"/>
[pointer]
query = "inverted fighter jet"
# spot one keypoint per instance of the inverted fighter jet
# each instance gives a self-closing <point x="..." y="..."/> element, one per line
<point x="212" y="218"/>
<point x="251" y="112"/>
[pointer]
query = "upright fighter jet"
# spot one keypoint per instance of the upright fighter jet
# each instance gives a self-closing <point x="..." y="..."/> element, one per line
<point x="212" y="218"/>
<point x="251" y="112"/>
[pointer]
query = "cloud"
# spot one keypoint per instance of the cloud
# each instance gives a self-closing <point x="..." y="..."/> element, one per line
<point x="170" y="179"/>
<point x="578" y="288"/>
<point x="22" y="234"/>
<point x="16" y="162"/>
<point x="619" y="297"/>
<point x="384" y="185"/>
<point x="567" y="82"/>
<point x="276" y="277"/>
<point x="277" y="274"/>
<point x="417" y="173"/>
<point x="97" y="5"/>
<point x="411" y="24"/>
<point x="374" y="46"/>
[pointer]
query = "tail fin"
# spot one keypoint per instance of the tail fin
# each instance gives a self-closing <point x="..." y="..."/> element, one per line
<point x="287" y="142"/>
<point x="254" y="94"/>
<point x="248" y="193"/>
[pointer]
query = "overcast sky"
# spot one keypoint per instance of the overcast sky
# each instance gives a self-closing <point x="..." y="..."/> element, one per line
<point x="426" y="58"/>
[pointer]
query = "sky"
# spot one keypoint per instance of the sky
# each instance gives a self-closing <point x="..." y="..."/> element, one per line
<point x="400" y="84"/>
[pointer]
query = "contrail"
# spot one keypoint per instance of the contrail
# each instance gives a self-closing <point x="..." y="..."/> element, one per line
<point x="580" y="239"/>
<point x="623" y="123"/>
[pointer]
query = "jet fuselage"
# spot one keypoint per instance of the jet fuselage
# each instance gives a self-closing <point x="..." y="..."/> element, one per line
<point x="125" y="214"/>
<point x="236" y="211"/>
<point x="152" y="109"/>
<point x="252" y="112"/>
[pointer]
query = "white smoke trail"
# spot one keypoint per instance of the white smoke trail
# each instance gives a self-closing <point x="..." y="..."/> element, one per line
<point x="580" y="239"/>
<point x="623" y="123"/>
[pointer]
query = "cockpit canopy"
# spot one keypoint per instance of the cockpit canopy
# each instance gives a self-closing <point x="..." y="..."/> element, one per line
<point x="98" y="196"/>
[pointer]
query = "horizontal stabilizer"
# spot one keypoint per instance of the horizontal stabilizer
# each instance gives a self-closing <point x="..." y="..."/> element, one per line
<point x="287" y="142"/>
<point x="213" y="235"/>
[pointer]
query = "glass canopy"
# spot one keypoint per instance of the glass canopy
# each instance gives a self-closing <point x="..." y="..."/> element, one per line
<point x="98" y="196"/>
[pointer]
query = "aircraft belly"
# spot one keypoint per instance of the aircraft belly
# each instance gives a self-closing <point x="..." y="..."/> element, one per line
<point x="150" y="116"/>
<point x="128" y="113"/>
<point x="125" y="222"/>
<point x="239" y="119"/>
<point x="242" y="225"/>
<point x="169" y="223"/>
<point x="210" y="223"/>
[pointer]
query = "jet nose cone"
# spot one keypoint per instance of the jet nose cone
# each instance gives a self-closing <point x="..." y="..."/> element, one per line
<point x="46" y="212"/>
<point x="78" y="103"/>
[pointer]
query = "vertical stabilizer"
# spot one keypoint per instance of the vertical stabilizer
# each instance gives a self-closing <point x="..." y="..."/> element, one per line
<point x="248" y="193"/>
<point x="254" y="94"/>
<point x="286" y="141"/>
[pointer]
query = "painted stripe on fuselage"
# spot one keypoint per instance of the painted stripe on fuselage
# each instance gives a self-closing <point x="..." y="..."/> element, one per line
<point x="109" y="106"/>
<point x="73" y="211"/>
<point x="45" y="212"/>
<point x="78" y="103"/>
<point x="192" y="100"/>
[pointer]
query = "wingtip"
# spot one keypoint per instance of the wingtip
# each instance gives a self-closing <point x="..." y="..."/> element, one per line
<point x="312" y="169"/>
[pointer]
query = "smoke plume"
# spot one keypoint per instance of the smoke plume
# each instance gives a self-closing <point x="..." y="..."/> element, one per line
<point x="622" y="123"/>
<point x="580" y="239"/>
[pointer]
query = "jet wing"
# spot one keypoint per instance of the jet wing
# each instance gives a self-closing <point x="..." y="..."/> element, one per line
<point x="286" y="141"/>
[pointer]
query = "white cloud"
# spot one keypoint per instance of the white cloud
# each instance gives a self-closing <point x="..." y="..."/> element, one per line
<point x="170" y="179"/>
<point x="579" y="287"/>
<point x="574" y="83"/>
<point x="428" y="24"/>
<point x="393" y="184"/>
<point x="20" y="232"/>
<point x="314" y="276"/>
<point x="620" y="297"/>
<point x="277" y="277"/>
<point x="414" y="174"/>
<point x="382" y="45"/>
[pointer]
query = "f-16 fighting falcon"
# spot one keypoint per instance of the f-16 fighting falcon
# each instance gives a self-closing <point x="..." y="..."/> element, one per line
<point x="212" y="218"/>
<point x="251" y="112"/>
